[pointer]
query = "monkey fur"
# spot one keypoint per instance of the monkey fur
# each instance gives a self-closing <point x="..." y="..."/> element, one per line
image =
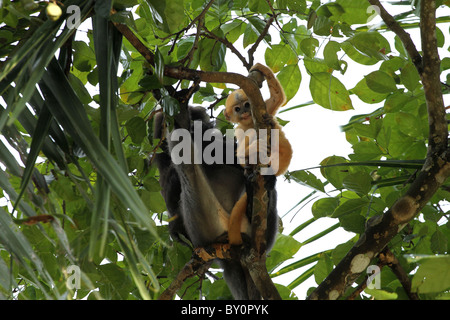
<point x="238" y="110"/>
<point x="200" y="198"/>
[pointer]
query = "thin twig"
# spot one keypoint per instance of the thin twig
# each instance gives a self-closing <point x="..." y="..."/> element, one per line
<point x="230" y="46"/>
<point x="252" y="50"/>
<point x="401" y="275"/>
<point x="404" y="36"/>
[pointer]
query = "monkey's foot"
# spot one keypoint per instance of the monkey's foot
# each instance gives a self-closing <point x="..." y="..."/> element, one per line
<point x="215" y="251"/>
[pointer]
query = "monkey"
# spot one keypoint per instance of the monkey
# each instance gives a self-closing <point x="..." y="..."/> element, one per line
<point x="200" y="198"/>
<point x="238" y="110"/>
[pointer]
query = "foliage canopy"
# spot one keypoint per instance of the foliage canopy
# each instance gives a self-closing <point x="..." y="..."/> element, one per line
<point x="77" y="184"/>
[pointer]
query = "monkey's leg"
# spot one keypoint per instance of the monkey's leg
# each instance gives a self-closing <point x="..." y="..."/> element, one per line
<point x="235" y="222"/>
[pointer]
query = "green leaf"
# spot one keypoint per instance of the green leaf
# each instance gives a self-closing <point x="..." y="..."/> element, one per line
<point x="334" y="175"/>
<point x="285" y="247"/>
<point x="153" y="200"/>
<point x="379" y="294"/>
<point x="359" y="182"/>
<point x="220" y="9"/>
<point x="323" y="26"/>
<point x="298" y="264"/>
<point x="290" y="78"/>
<point x="315" y="65"/>
<point x="70" y="113"/>
<point x="233" y="30"/>
<point x="307" y="178"/>
<point x="367" y="130"/>
<point x="321" y="234"/>
<point x="80" y="89"/>
<point x="258" y="6"/>
<point x="440" y="37"/>
<point x="381" y="82"/>
<point x="366" y="150"/>
<point x="137" y="129"/>
<point x="170" y="105"/>
<point x="117" y="284"/>
<point x="184" y="47"/>
<point x="328" y="92"/>
<point x="410" y="77"/>
<point x="84" y="57"/>
<point x="330" y="55"/>
<point x="302" y="278"/>
<point x="254" y="30"/>
<point x="212" y="54"/>
<point x="250" y="36"/>
<point x="399" y="101"/>
<point x="353" y="222"/>
<point x="297" y="5"/>
<point x="150" y="82"/>
<point x="366" y="47"/>
<point x="22" y="250"/>
<point x="392" y="65"/>
<point x="278" y="56"/>
<point x="324" y="207"/>
<point x="439" y="242"/>
<point x="355" y="11"/>
<point x="340" y="251"/>
<point x="35" y="64"/>
<point x="366" y="94"/>
<point x="159" y="65"/>
<point x="433" y="275"/>
<point x="323" y="268"/>
<point x="168" y="15"/>
<point x="39" y="136"/>
<point x="350" y="206"/>
<point x="408" y="124"/>
<point x="309" y="46"/>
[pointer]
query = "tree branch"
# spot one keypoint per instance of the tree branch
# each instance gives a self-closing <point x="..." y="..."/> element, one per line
<point x="436" y="169"/>
<point x="247" y="84"/>
<point x="431" y="79"/>
<point x="230" y="46"/>
<point x="252" y="50"/>
<point x="401" y="274"/>
<point x="404" y="36"/>
<point x="387" y="257"/>
<point x="195" y="266"/>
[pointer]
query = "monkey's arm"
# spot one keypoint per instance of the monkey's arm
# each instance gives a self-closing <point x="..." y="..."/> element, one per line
<point x="277" y="95"/>
<point x="284" y="154"/>
<point x="280" y="152"/>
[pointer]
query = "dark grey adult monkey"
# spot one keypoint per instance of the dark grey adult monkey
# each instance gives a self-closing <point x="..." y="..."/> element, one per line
<point x="200" y="198"/>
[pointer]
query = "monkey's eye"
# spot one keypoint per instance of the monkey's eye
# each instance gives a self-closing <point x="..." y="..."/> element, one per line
<point x="247" y="105"/>
<point x="237" y="109"/>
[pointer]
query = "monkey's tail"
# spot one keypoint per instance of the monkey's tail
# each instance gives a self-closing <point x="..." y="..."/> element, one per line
<point x="239" y="281"/>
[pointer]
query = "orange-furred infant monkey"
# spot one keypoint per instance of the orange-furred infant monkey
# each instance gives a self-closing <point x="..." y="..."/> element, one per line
<point x="238" y="110"/>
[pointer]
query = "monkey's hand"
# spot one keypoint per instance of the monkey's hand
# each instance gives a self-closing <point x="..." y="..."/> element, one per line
<point x="257" y="147"/>
<point x="266" y="71"/>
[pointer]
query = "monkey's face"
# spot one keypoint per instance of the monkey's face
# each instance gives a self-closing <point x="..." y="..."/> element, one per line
<point x="238" y="108"/>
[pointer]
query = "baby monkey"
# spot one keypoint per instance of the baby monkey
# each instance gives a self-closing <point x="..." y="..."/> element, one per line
<point x="238" y="110"/>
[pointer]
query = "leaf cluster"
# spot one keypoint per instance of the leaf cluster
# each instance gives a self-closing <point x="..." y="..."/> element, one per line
<point x="76" y="144"/>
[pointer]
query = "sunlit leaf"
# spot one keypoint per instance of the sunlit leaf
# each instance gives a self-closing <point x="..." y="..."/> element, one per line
<point x="328" y="92"/>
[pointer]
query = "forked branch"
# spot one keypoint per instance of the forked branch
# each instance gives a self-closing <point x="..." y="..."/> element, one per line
<point x="436" y="169"/>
